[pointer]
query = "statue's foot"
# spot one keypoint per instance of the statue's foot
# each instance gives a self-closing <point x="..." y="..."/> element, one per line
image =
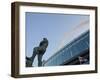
<point x="27" y="58"/>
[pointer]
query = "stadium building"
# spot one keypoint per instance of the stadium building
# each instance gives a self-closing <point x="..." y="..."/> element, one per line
<point x="74" y="53"/>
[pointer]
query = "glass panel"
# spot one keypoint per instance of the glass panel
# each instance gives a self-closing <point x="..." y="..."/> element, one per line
<point x="74" y="50"/>
<point x="66" y="55"/>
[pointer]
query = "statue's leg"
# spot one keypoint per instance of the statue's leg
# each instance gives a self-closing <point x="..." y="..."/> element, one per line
<point x="29" y="61"/>
<point x="33" y="55"/>
<point x="40" y="59"/>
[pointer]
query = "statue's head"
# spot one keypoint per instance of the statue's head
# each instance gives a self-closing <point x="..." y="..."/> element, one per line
<point x="44" y="38"/>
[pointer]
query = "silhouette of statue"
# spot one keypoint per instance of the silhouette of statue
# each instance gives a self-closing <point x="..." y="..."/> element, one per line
<point x="40" y="50"/>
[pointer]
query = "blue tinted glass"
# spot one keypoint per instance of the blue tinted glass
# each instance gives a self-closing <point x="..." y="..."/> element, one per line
<point x="74" y="50"/>
<point x="81" y="46"/>
<point x="87" y="41"/>
<point x="56" y="59"/>
<point x="67" y="55"/>
<point x="59" y="60"/>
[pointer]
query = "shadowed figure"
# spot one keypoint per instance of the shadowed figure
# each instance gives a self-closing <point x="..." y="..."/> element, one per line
<point x="40" y="50"/>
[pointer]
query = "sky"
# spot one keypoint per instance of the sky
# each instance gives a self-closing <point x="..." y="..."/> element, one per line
<point x="50" y="25"/>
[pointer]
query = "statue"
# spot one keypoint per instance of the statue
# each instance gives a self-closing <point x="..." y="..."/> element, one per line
<point x="40" y="50"/>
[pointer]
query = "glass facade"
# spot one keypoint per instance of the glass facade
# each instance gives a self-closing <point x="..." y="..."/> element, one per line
<point x="74" y="48"/>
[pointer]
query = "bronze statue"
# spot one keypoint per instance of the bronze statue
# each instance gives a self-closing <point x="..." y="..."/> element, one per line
<point x="40" y="50"/>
